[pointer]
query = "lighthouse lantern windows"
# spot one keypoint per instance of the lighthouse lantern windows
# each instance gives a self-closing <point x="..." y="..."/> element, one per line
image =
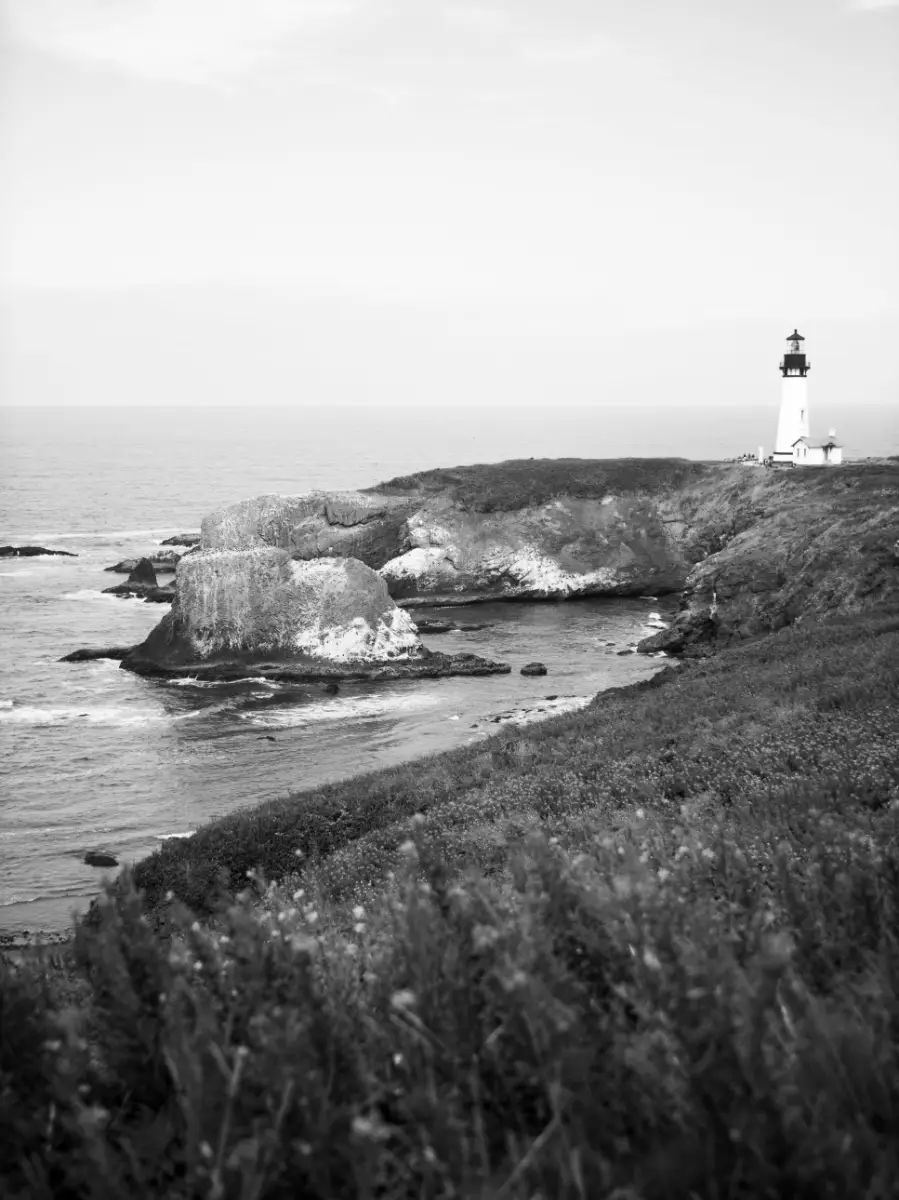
<point x="794" y="361"/>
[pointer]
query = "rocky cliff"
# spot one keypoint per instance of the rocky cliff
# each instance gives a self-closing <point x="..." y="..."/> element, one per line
<point x="260" y="603"/>
<point x="794" y="545"/>
<point x="514" y="530"/>
<point x="750" y="548"/>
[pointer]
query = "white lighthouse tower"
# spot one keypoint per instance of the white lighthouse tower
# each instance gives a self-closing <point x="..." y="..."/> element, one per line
<point x="793" y="422"/>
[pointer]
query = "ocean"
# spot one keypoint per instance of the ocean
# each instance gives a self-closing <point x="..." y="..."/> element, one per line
<point x="94" y="758"/>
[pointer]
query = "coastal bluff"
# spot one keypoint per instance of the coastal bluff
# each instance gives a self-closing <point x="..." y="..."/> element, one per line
<point x="749" y="549"/>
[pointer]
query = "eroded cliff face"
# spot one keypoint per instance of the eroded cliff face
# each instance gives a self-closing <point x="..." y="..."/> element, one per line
<point x="615" y="545"/>
<point x="259" y="604"/>
<point x="801" y="543"/>
<point x="559" y="529"/>
<point x="750" y="549"/>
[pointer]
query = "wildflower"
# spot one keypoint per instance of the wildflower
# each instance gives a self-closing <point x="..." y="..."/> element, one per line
<point x="651" y="960"/>
<point x="639" y="814"/>
<point x="359" y="927"/>
<point x="298" y="853"/>
<point x="359" y="912"/>
<point x="484" y="936"/>
<point x="663" y="874"/>
<point x="312" y="917"/>
<point x="370" y="1127"/>
<point x="298" y="895"/>
<point x="708" y="854"/>
<point x="418" y="820"/>
<point x="403" y="999"/>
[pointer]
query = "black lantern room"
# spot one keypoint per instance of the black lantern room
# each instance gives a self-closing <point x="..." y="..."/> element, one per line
<point x="794" y="361"/>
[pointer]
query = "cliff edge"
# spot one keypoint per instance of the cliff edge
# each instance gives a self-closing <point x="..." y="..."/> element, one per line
<point x="750" y="549"/>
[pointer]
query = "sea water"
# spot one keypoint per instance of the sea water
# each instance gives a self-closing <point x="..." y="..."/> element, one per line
<point x="95" y="758"/>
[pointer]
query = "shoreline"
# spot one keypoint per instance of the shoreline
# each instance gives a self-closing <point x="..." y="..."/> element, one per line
<point x="23" y="940"/>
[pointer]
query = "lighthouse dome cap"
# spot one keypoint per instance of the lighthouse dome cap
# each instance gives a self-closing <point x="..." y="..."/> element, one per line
<point x="795" y="336"/>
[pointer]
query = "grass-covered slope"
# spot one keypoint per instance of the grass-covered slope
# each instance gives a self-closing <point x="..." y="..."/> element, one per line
<point x="519" y="483"/>
<point x="647" y="951"/>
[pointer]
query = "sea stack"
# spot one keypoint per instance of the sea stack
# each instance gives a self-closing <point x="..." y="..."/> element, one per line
<point x="253" y="605"/>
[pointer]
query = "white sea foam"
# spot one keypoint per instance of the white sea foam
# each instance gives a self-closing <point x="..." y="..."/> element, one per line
<point x="10" y="574"/>
<point x="340" y="709"/>
<point x="6" y="704"/>
<point x="109" y="714"/>
<point x="192" y="681"/>
<point x="33" y="714"/>
<point x="530" y="715"/>
<point x="168" y="837"/>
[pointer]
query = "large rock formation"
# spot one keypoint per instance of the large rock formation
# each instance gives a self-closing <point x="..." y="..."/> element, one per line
<point x="527" y="530"/>
<point x="752" y="549"/>
<point x="258" y="610"/>
<point x="358" y="525"/>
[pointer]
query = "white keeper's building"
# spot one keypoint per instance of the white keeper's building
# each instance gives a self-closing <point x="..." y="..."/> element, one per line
<point x="794" y="446"/>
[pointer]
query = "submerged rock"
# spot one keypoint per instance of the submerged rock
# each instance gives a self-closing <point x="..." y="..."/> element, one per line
<point x="33" y="552"/>
<point x="533" y="668"/>
<point x="96" y="858"/>
<point x="435" y="625"/>
<point x="182" y="539"/>
<point x="331" y="618"/>
<point x="90" y="655"/>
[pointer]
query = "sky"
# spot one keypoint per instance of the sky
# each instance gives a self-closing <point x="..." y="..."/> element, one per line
<point x="446" y="201"/>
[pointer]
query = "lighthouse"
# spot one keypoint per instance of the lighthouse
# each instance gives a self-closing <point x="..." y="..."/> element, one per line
<point x="793" y="423"/>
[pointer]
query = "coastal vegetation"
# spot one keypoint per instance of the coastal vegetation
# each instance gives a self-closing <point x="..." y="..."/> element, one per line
<point x="647" y="950"/>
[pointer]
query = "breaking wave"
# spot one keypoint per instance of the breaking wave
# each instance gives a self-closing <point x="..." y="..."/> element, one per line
<point x="346" y="709"/>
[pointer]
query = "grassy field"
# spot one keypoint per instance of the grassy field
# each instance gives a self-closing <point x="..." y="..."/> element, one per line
<point x="648" y="950"/>
<point x="518" y="483"/>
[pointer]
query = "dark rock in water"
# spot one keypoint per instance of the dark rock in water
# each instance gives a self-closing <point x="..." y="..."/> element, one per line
<point x="143" y="573"/>
<point x="182" y="539"/>
<point x="554" y="697"/>
<point x="534" y="668"/>
<point x="142" y="582"/>
<point x="428" y="664"/>
<point x="89" y="655"/>
<point x="330" y="689"/>
<point x="95" y="858"/>
<point x="161" y="565"/>
<point x="32" y="552"/>
<point x="165" y="560"/>
<point x="621" y="653"/>
<point x="427" y="625"/>
<point x="164" y="594"/>
<point x="265" y="737"/>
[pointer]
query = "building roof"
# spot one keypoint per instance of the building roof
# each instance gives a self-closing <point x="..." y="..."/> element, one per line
<point x="819" y="443"/>
<point x="795" y="336"/>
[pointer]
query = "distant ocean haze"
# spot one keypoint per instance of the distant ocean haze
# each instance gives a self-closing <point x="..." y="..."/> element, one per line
<point x="95" y="758"/>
